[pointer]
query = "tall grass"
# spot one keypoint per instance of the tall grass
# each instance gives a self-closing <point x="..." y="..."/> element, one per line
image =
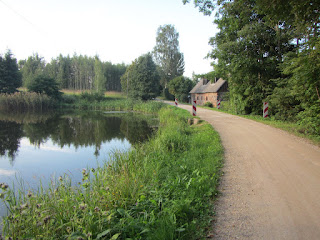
<point x="21" y="101"/>
<point x="159" y="190"/>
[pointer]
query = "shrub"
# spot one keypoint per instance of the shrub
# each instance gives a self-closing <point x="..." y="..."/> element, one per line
<point x="47" y="85"/>
<point x="92" y="96"/>
<point x="208" y="104"/>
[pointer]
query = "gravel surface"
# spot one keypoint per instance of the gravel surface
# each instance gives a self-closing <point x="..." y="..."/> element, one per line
<point x="271" y="183"/>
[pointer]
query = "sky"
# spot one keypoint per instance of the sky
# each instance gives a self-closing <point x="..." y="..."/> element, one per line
<point x="118" y="31"/>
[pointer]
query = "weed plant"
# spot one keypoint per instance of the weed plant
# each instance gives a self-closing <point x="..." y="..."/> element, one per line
<point x="161" y="189"/>
<point x="25" y="101"/>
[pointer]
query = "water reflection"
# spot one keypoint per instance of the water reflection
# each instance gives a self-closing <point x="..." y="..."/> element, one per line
<point x="80" y="129"/>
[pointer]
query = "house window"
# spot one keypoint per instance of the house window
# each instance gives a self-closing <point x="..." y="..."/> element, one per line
<point x="206" y="98"/>
<point x="197" y="97"/>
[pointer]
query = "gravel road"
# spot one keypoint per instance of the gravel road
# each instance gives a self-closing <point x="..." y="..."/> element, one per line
<point x="271" y="183"/>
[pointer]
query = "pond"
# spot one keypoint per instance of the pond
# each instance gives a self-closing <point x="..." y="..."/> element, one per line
<point x="42" y="147"/>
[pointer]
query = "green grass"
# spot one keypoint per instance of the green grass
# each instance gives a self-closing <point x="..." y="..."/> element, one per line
<point x="159" y="190"/>
<point x="291" y="127"/>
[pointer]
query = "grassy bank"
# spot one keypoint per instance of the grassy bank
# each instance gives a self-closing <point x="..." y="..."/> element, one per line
<point x="159" y="190"/>
<point x="295" y="128"/>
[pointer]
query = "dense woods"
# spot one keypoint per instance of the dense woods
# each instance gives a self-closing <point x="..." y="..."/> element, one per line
<point x="77" y="72"/>
<point x="269" y="51"/>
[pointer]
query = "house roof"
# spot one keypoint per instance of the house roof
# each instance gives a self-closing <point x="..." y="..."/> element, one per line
<point x="205" y="86"/>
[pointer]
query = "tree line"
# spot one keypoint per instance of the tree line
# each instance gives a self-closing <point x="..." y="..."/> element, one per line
<point x="269" y="51"/>
<point x="146" y="77"/>
<point x="76" y="73"/>
<point x="159" y="71"/>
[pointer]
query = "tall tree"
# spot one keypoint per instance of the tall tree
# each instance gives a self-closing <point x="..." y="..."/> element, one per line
<point x="142" y="78"/>
<point x="99" y="77"/>
<point x="167" y="54"/>
<point x="180" y="88"/>
<point x="10" y="77"/>
<point x="31" y="68"/>
<point x="290" y="40"/>
<point x="248" y="52"/>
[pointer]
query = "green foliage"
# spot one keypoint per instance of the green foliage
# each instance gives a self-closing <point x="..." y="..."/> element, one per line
<point x="180" y="88"/>
<point x="208" y="104"/>
<point x="10" y="77"/>
<point x="92" y="96"/>
<point x="159" y="190"/>
<point x="99" y="77"/>
<point x="142" y="79"/>
<point x="167" y="54"/>
<point x="167" y="95"/>
<point x="43" y="84"/>
<point x="31" y="68"/>
<point x="269" y="51"/>
<point x="77" y="72"/>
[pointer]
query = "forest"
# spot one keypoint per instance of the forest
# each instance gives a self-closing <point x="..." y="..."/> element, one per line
<point x="76" y="73"/>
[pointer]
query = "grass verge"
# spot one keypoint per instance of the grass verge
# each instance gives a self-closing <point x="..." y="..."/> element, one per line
<point x="291" y="127"/>
<point x="159" y="190"/>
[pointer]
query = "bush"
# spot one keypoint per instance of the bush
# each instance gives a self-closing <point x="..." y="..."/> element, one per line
<point x="69" y="99"/>
<point x="47" y="85"/>
<point x="208" y="104"/>
<point x="92" y="96"/>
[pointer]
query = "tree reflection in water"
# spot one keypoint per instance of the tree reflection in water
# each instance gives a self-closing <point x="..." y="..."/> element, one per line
<point x="78" y="129"/>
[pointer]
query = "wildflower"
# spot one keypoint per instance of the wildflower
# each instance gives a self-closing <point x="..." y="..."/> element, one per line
<point x="38" y="205"/>
<point x="3" y="186"/>
<point x="96" y="209"/>
<point x="89" y="235"/>
<point x="83" y="206"/>
<point x="23" y="206"/>
<point x="93" y="170"/>
<point x="24" y="212"/>
<point x="39" y="224"/>
<point x="60" y="179"/>
<point x="29" y="194"/>
<point x="69" y="229"/>
<point x="107" y="188"/>
<point x="84" y="172"/>
<point x="46" y="219"/>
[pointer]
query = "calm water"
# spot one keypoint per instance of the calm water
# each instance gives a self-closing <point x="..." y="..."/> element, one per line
<point x="41" y="147"/>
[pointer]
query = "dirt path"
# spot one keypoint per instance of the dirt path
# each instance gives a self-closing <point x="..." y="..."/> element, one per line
<point x="271" y="183"/>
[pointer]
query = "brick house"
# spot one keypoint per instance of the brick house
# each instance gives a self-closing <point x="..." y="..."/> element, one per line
<point x="205" y="91"/>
